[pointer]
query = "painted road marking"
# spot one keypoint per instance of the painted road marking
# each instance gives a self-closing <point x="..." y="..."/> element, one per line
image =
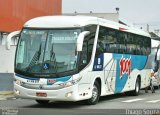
<point x="132" y="100"/>
<point x="153" y="101"/>
<point x="2" y="99"/>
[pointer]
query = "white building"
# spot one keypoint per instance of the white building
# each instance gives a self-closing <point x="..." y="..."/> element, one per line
<point x="108" y="16"/>
<point x="7" y="56"/>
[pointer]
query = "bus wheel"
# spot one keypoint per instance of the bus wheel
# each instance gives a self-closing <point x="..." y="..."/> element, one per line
<point x="42" y="102"/>
<point x="136" y="91"/>
<point x="95" y="94"/>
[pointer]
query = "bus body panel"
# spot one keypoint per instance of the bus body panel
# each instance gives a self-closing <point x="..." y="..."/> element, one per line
<point x="52" y="89"/>
<point x="112" y="67"/>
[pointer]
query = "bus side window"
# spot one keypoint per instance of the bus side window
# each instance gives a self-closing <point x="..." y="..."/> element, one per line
<point x="121" y="39"/>
<point x="100" y="48"/>
<point x="83" y="55"/>
<point x="103" y="43"/>
<point x="86" y="53"/>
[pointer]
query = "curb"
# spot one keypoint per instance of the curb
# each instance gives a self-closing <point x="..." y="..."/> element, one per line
<point x="6" y="95"/>
<point x="6" y="92"/>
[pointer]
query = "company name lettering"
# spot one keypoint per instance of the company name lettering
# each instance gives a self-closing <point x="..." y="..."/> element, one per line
<point x="51" y="81"/>
<point x="125" y="66"/>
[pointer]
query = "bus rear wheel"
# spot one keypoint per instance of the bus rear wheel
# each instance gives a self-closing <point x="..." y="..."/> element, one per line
<point x="136" y="91"/>
<point x="95" y="94"/>
<point x="42" y="102"/>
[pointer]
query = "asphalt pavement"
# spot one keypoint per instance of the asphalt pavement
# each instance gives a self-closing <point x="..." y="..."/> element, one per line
<point x="121" y="104"/>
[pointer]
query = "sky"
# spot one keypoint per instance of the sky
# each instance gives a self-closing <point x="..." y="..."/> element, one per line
<point x="138" y="12"/>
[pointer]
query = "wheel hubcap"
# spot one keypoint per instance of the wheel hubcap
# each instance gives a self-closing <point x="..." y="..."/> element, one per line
<point x="94" y="93"/>
<point x="137" y="87"/>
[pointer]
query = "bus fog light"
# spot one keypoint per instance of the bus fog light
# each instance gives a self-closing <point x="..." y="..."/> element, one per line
<point x="69" y="94"/>
<point x="17" y="92"/>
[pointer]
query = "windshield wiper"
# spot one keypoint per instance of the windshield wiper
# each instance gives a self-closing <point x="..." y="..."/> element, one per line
<point x="35" y="58"/>
<point x="53" y="58"/>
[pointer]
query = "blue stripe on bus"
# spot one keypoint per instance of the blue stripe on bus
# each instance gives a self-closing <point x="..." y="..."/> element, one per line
<point x="29" y="78"/>
<point x="51" y="81"/>
<point x="137" y="62"/>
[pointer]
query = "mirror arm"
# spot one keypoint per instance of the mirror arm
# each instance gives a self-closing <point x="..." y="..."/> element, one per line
<point x="9" y="37"/>
<point x="81" y="39"/>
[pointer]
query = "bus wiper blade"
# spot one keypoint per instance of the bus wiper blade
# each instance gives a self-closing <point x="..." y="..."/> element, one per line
<point x="35" y="58"/>
<point x="53" y="58"/>
<point x="39" y="52"/>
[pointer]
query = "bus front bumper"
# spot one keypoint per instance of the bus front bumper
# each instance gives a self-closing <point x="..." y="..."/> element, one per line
<point x="65" y="94"/>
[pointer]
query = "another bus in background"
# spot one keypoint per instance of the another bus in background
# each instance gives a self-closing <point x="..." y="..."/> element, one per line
<point x="155" y="59"/>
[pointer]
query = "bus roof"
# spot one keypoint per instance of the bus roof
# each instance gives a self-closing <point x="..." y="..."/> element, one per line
<point x="60" y="21"/>
<point x="78" y="21"/>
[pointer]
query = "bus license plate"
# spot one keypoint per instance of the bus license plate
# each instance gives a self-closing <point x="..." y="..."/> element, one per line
<point x="41" y="94"/>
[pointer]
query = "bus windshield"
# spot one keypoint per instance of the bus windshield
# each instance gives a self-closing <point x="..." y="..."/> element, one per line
<point x="47" y="51"/>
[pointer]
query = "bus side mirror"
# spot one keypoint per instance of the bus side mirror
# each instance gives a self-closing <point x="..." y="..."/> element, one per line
<point x="81" y="39"/>
<point x="9" y="37"/>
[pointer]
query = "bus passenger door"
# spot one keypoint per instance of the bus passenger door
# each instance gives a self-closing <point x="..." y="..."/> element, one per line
<point x="109" y="73"/>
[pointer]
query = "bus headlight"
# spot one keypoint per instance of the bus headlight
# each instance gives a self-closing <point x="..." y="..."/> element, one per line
<point x="18" y="82"/>
<point x="67" y="84"/>
<point x="70" y="83"/>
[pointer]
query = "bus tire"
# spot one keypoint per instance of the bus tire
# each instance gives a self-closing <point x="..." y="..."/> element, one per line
<point x="136" y="91"/>
<point x="95" y="94"/>
<point x="42" y="102"/>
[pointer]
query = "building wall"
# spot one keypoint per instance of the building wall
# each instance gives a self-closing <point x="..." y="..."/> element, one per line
<point x="14" y="13"/>
<point x="3" y="38"/>
<point x="7" y="59"/>
<point x="108" y="16"/>
<point x="0" y="38"/>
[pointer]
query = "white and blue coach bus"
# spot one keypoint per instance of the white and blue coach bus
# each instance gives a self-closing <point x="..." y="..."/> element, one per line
<point x="73" y="58"/>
